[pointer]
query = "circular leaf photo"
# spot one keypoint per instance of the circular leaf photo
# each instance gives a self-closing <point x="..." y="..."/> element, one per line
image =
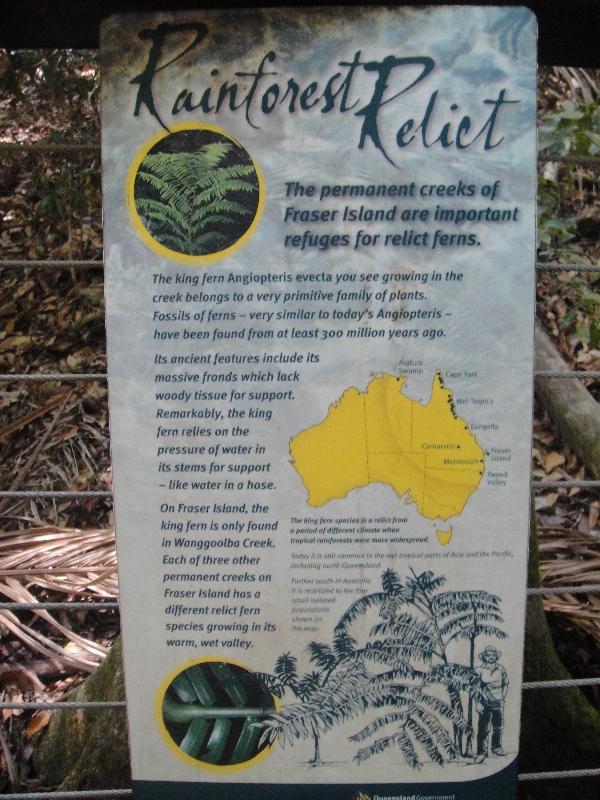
<point x="195" y="193"/>
<point x="212" y="712"/>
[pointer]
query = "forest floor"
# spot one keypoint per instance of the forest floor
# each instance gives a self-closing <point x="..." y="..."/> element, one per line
<point x="54" y="435"/>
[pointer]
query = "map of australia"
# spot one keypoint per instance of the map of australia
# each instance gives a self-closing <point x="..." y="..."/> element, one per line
<point x="425" y="452"/>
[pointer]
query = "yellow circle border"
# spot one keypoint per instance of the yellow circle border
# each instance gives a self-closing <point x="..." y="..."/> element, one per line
<point x="146" y="236"/>
<point x="195" y="762"/>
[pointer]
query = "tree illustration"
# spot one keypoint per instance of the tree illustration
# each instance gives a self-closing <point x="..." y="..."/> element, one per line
<point x="197" y="202"/>
<point x="418" y="624"/>
<point x="467" y="615"/>
<point x="328" y="660"/>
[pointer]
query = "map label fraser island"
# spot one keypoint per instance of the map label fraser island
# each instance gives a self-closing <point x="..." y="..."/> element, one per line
<point x="425" y="452"/>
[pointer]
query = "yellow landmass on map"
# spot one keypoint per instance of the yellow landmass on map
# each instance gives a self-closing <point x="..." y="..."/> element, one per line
<point x="423" y="451"/>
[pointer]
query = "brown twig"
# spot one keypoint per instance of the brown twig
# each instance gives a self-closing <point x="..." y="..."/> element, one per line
<point x="11" y="767"/>
<point x="36" y="451"/>
<point x="21" y="422"/>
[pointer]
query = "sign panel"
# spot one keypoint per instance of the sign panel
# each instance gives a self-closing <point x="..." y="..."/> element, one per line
<point x="319" y="235"/>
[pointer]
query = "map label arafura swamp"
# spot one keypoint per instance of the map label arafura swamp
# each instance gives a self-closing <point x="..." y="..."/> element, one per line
<point x="319" y="231"/>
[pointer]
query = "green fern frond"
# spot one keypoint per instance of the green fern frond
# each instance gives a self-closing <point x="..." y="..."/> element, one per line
<point x="222" y="174"/>
<point x="195" y="197"/>
<point x="157" y="221"/>
<point x="209" y="156"/>
<point x="218" y="190"/>
<point x="149" y="207"/>
<point x="219" y="206"/>
<point x="216" y="219"/>
<point x="210" y="237"/>
<point x="168" y="192"/>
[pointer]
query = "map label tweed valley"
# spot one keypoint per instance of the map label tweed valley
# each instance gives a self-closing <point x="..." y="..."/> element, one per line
<point x="320" y="273"/>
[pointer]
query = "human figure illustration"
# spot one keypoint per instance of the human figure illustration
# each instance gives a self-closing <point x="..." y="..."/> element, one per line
<point x="491" y="707"/>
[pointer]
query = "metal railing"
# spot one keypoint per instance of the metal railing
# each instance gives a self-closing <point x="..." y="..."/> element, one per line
<point x="53" y="264"/>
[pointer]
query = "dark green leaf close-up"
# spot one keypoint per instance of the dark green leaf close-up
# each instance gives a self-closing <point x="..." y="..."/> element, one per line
<point x="213" y="712"/>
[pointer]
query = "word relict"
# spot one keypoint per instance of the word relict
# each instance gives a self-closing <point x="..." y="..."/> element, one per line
<point x="386" y="81"/>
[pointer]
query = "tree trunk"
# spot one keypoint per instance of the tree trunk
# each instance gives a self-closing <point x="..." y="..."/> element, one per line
<point x="470" y="715"/>
<point x="571" y="406"/>
<point x="560" y="730"/>
<point x="88" y="749"/>
<point x="316" y="759"/>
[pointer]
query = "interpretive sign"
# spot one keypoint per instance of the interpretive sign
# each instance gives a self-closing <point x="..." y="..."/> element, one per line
<point x="319" y="230"/>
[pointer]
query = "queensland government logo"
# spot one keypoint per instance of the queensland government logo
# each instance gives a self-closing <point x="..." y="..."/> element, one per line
<point x="364" y="796"/>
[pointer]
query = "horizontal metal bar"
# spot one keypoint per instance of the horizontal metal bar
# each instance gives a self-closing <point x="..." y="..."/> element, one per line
<point x="564" y="684"/>
<point x="550" y="776"/>
<point x="74" y="147"/>
<point x="67" y="604"/>
<point x="60" y="705"/>
<point x="35" y="377"/>
<point x="577" y="374"/>
<point x="58" y="495"/>
<point x="581" y="374"/>
<point x="557" y="265"/>
<point x="587" y="161"/>
<point x="54" y="570"/>
<point x="100" y="794"/>
<point x="66" y="495"/>
<point x="114" y="605"/>
<point x="566" y="484"/>
<point x="50" y="264"/>
<point x="102" y="376"/>
<point x="549" y="266"/>
<point x="549" y="591"/>
<point x="48" y="147"/>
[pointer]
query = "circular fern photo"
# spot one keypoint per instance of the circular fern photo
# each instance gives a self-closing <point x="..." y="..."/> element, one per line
<point x="212" y="712"/>
<point x="195" y="193"/>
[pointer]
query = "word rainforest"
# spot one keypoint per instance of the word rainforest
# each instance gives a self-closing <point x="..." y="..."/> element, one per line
<point x="388" y="80"/>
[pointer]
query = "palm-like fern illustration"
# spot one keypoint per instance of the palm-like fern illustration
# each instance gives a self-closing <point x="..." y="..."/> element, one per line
<point x="468" y="615"/>
<point x="329" y="660"/>
<point x="197" y="202"/>
<point x="420" y="689"/>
